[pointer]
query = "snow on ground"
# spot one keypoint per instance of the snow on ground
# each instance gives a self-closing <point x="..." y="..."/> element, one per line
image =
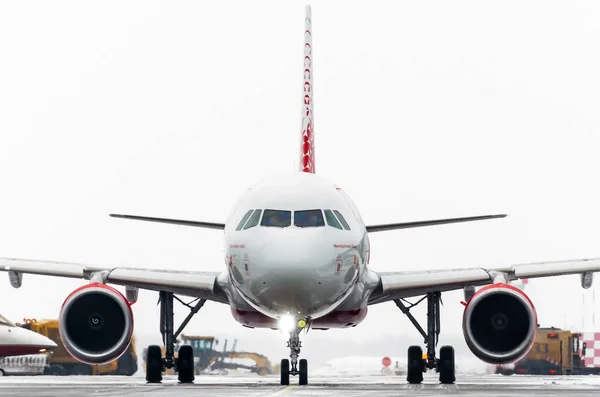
<point x="369" y="366"/>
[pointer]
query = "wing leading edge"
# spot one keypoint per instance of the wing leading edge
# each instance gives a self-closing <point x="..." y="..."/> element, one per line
<point x="205" y="285"/>
<point x="394" y="285"/>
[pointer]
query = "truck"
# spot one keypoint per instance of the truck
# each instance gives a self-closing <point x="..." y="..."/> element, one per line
<point x="207" y="358"/>
<point x="62" y="363"/>
<point x="554" y="352"/>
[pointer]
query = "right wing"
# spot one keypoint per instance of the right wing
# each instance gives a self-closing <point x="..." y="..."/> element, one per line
<point x="207" y="285"/>
<point x="394" y="285"/>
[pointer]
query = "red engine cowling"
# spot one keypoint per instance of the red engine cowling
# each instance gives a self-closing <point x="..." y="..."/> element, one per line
<point x="96" y="324"/>
<point x="499" y="324"/>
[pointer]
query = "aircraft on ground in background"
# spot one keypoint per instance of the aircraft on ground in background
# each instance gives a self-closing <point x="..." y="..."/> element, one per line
<point x="16" y="341"/>
<point x="297" y="258"/>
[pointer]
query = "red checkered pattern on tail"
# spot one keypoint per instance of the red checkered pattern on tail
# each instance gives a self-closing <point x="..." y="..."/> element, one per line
<point x="592" y="353"/>
<point x="307" y="143"/>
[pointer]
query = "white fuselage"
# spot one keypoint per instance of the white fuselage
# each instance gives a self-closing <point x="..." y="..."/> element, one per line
<point x="290" y="265"/>
<point x="16" y="341"/>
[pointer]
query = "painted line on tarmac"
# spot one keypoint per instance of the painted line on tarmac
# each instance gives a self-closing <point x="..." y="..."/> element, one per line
<point x="282" y="391"/>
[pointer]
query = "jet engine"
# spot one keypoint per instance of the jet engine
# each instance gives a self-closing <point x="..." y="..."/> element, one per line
<point x="96" y="324"/>
<point x="499" y="324"/>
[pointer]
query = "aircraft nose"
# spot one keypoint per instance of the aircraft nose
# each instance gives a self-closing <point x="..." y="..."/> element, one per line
<point x="296" y="252"/>
<point x="296" y="273"/>
<point x="32" y="338"/>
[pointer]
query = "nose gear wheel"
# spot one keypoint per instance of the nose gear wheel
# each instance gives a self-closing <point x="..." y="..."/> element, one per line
<point x="293" y="366"/>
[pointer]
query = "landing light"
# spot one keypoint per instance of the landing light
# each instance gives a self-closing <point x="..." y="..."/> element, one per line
<point x="286" y="323"/>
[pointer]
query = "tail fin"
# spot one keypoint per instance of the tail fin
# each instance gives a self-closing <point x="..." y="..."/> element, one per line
<point x="307" y="143"/>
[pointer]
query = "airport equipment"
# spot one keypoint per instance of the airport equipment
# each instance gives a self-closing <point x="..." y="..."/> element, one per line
<point x="554" y="352"/>
<point x="62" y="363"/>
<point x="207" y="358"/>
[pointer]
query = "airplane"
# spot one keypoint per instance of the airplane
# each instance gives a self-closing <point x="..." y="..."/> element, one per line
<point x="17" y="341"/>
<point x="297" y="257"/>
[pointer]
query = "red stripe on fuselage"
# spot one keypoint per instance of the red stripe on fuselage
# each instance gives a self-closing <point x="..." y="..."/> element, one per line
<point x="19" y="350"/>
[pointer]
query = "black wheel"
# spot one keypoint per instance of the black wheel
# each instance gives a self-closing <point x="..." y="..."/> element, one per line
<point x="303" y="372"/>
<point x="446" y="365"/>
<point x="414" y="371"/>
<point x="185" y="364"/>
<point x="285" y="372"/>
<point x="154" y="364"/>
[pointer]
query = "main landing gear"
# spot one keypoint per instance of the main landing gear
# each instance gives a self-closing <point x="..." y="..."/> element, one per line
<point x="184" y="363"/>
<point x="302" y="369"/>
<point x="417" y="364"/>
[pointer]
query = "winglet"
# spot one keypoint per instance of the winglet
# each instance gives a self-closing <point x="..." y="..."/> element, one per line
<point x="307" y="142"/>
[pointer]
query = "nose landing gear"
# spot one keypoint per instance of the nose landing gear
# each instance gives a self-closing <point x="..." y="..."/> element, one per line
<point x="298" y="367"/>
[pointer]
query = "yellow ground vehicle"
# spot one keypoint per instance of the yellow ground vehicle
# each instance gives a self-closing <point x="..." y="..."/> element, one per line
<point x="554" y="352"/>
<point x="207" y="358"/>
<point x="62" y="363"/>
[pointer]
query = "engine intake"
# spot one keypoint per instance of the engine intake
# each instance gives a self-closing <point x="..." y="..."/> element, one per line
<point x="499" y="324"/>
<point x="96" y="324"/>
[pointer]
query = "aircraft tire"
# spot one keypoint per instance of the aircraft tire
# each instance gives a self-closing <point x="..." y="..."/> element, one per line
<point x="414" y="370"/>
<point x="285" y="372"/>
<point x="154" y="364"/>
<point x="446" y="365"/>
<point x="185" y="364"/>
<point x="303" y="378"/>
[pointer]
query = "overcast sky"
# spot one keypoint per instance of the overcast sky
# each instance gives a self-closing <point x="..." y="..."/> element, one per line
<point x="422" y="110"/>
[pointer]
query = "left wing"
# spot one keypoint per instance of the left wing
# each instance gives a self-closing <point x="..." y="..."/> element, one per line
<point x="394" y="285"/>
<point x="205" y="285"/>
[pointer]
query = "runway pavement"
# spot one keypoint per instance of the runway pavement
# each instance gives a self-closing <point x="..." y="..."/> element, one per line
<point x="467" y="385"/>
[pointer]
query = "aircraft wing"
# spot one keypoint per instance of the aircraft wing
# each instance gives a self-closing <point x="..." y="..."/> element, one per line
<point x="190" y="283"/>
<point x="394" y="285"/>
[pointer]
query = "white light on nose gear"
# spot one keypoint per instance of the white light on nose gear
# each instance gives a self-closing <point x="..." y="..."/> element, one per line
<point x="287" y="323"/>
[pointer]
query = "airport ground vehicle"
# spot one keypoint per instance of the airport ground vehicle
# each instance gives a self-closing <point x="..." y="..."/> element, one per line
<point x="554" y="352"/>
<point x="207" y="358"/>
<point x="62" y="363"/>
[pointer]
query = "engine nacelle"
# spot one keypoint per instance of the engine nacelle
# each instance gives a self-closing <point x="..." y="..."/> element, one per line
<point x="499" y="324"/>
<point x="96" y="324"/>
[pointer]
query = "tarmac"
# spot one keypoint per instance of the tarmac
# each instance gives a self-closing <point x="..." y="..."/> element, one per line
<point x="466" y="385"/>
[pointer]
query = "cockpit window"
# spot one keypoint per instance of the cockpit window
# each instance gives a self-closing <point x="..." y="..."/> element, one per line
<point x="331" y="220"/>
<point x="277" y="218"/>
<point x="244" y="219"/>
<point x="4" y="321"/>
<point x="308" y="218"/>
<point x="253" y="221"/>
<point x="341" y="218"/>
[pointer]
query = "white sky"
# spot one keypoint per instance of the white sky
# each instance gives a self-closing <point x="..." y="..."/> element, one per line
<point x="423" y="110"/>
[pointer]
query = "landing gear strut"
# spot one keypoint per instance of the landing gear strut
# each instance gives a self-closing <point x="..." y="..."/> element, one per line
<point x="298" y="367"/>
<point x="184" y="363"/>
<point x="417" y="364"/>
